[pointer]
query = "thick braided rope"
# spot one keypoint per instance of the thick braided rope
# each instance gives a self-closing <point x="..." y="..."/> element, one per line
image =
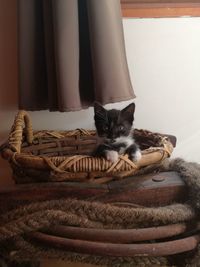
<point x="38" y="220"/>
<point x="194" y="260"/>
<point x="23" y="249"/>
<point x="86" y="214"/>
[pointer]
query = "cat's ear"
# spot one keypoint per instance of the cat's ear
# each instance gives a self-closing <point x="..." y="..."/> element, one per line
<point x="128" y="112"/>
<point x="99" y="110"/>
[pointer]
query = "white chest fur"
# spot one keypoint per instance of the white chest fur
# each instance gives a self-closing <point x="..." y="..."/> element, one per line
<point x="127" y="140"/>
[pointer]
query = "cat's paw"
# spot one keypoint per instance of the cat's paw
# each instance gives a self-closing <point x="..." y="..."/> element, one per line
<point x="112" y="155"/>
<point x="136" y="156"/>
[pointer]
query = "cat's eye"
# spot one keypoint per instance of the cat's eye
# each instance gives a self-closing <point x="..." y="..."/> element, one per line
<point x="121" y="127"/>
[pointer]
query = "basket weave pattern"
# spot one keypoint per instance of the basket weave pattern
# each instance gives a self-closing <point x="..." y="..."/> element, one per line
<point x="66" y="155"/>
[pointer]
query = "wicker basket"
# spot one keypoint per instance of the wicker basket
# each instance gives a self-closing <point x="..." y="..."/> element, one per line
<point x="52" y="156"/>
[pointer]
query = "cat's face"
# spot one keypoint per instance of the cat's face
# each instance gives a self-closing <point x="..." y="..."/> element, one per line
<point x="113" y="123"/>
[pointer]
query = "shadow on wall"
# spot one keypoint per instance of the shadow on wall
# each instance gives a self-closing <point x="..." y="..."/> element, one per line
<point x="8" y="55"/>
<point x="8" y="76"/>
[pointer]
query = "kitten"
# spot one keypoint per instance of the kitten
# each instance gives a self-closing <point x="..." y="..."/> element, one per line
<point x="114" y="127"/>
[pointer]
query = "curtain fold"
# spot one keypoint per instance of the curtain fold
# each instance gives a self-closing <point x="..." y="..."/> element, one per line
<point x="71" y="53"/>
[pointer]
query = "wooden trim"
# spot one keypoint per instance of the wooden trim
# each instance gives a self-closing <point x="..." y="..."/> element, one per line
<point x="160" y="12"/>
<point x="118" y="250"/>
<point x="155" y="189"/>
<point x="123" y="236"/>
<point x="157" y="9"/>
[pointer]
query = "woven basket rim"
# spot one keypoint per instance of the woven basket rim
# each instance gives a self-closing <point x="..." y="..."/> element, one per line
<point x="64" y="166"/>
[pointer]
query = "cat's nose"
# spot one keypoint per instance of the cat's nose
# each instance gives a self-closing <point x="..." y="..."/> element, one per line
<point x="112" y="136"/>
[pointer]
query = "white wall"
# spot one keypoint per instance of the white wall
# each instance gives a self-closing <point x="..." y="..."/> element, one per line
<point x="164" y="62"/>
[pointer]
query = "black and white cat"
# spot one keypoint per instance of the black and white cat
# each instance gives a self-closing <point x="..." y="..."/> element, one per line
<point x="114" y="127"/>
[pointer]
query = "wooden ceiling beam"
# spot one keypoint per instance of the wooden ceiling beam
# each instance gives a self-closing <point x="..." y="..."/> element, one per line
<point x="160" y="8"/>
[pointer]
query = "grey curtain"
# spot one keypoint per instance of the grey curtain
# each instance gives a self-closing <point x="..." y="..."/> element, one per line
<point x="71" y="53"/>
